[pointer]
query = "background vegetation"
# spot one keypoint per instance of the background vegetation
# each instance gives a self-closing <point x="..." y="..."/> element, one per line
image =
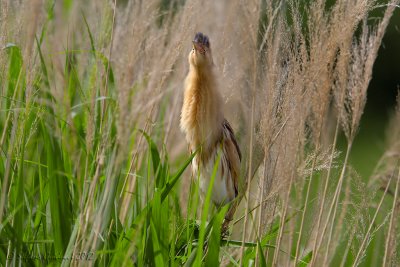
<point x="93" y="166"/>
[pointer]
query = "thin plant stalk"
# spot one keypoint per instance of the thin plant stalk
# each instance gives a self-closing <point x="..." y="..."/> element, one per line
<point x="282" y="224"/>
<point x="321" y="208"/>
<point x="11" y="145"/>
<point x="108" y="64"/>
<point x="344" y="256"/>
<point x="367" y="235"/>
<point x="336" y="202"/>
<point x="336" y="194"/>
<point x="261" y="193"/>
<point x="248" y="180"/>
<point x="305" y="207"/>
<point x="273" y="215"/>
<point x="389" y="236"/>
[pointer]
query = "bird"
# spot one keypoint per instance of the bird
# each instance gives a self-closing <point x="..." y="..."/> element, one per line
<point x="207" y="131"/>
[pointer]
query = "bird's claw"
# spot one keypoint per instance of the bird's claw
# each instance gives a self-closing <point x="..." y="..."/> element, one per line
<point x="225" y="229"/>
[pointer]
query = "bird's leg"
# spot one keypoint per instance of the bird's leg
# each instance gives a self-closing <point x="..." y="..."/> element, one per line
<point x="228" y="218"/>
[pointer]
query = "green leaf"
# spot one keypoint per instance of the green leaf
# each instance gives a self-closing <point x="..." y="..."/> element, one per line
<point x="305" y="260"/>
<point x="263" y="261"/>
<point x="204" y="214"/>
<point x="15" y="71"/>
<point x="60" y="205"/>
<point x="107" y="66"/>
<point x="158" y="167"/>
<point x="43" y="66"/>
<point x="158" y="259"/>
<point x="174" y="179"/>
<point x="192" y="258"/>
<point x="8" y="233"/>
<point x="89" y="32"/>
<point x="212" y="257"/>
<point x="250" y="253"/>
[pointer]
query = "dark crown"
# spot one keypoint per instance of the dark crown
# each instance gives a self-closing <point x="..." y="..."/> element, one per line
<point x="202" y="39"/>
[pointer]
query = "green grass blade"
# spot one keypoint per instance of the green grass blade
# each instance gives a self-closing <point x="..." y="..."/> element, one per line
<point x="8" y="233"/>
<point x="18" y="195"/>
<point x="43" y="65"/>
<point x="158" y="259"/>
<point x="212" y="257"/>
<point x="305" y="260"/>
<point x="158" y="167"/>
<point x="207" y="203"/>
<point x="262" y="260"/>
<point x="192" y="258"/>
<point x="174" y="179"/>
<point x="15" y="71"/>
<point x="89" y="32"/>
<point x="60" y="206"/>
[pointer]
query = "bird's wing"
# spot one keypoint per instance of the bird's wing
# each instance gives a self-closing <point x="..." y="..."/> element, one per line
<point x="233" y="154"/>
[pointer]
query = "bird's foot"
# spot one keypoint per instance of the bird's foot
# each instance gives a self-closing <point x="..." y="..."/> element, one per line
<point x="225" y="228"/>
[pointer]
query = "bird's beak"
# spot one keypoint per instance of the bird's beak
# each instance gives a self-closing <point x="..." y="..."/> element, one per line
<point x="198" y="47"/>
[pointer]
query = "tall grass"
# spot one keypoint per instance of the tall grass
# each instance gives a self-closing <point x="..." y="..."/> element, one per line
<point x="94" y="167"/>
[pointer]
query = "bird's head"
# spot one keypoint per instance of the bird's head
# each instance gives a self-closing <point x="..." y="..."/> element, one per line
<point x="200" y="56"/>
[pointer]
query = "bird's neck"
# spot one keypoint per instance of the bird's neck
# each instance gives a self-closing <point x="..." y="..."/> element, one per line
<point x="202" y="116"/>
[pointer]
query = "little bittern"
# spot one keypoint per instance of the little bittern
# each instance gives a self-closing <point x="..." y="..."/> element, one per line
<point x="207" y="130"/>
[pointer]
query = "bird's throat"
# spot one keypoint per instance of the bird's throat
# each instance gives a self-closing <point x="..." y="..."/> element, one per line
<point x="201" y="115"/>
